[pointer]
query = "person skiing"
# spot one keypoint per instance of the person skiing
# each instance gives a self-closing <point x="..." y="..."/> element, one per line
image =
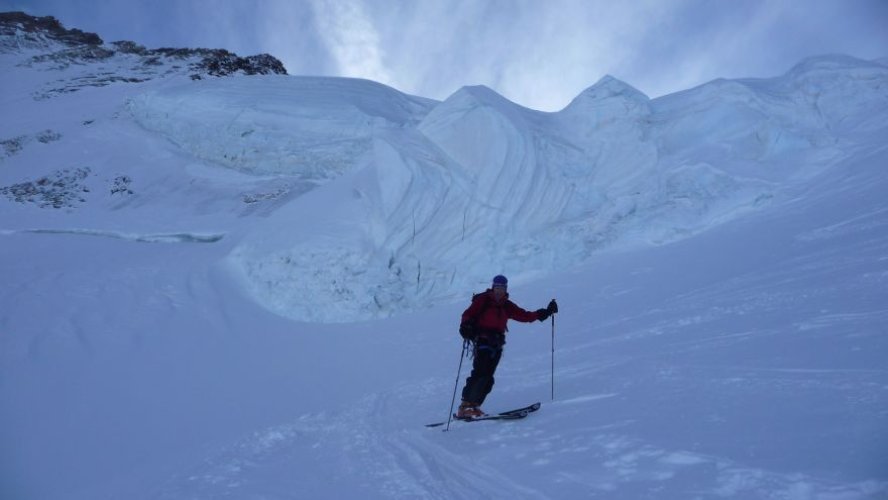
<point x="484" y="324"/>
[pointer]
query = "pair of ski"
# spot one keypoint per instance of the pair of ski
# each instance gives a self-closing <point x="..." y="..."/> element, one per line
<point x="515" y="414"/>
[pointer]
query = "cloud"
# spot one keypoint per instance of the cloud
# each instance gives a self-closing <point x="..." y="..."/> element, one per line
<point x="289" y="30"/>
<point x="539" y="54"/>
<point x="542" y="54"/>
<point x="351" y="38"/>
<point x="700" y="41"/>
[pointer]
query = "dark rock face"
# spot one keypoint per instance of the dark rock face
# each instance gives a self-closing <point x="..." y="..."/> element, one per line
<point x="35" y="30"/>
<point x="62" y="48"/>
<point x="220" y="62"/>
<point x="64" y="189"/>
<point x="14" y="145"/>
<point x="227" y="63"/>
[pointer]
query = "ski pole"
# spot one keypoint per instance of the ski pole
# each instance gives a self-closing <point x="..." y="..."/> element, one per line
<point x="553" y="309"/>
<point x="553" y="357"/>
<point x="462" y="354"/>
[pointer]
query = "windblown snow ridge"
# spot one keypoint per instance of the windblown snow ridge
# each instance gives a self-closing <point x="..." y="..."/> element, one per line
<point x="313" y="128"/>
<point x="140" y="238"/>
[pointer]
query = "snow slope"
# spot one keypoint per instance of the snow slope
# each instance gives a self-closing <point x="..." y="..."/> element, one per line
<point x="195" y="319"/>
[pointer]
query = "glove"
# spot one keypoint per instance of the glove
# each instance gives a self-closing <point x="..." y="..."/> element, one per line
<point x="543" y="314"/>
<point x="467" y="331"/>
<point x="553" y="307"/>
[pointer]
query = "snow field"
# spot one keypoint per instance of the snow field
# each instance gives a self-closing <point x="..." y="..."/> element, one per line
<point x="723" y="301"/>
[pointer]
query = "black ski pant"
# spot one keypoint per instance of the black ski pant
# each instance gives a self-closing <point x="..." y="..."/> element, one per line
<point x="480" y="382"/>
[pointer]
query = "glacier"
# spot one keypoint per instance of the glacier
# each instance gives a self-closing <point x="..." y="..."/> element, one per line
<point x="435" y="194"/>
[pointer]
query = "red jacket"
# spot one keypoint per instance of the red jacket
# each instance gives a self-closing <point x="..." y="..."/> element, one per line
<point x="488" y="315"/>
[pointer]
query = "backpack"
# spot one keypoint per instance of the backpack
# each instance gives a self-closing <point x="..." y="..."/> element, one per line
<point x="469" y="329"/>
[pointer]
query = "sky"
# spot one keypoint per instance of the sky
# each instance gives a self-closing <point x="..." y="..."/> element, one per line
<point x="540" y="54"/>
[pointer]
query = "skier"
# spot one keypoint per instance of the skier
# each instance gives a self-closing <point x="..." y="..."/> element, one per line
<point x="484" y="324"/>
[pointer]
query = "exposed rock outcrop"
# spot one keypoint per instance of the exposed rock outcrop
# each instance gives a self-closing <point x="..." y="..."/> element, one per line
<point x="57" y="47"/>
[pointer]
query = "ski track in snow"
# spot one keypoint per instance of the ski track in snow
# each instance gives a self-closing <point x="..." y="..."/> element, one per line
<point x="382" y="459"/>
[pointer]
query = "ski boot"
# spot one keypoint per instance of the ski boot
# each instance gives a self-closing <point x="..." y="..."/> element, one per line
<point x="468" y="411"/>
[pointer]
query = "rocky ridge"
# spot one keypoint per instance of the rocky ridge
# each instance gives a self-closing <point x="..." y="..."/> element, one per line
<point x="44" y="43"/>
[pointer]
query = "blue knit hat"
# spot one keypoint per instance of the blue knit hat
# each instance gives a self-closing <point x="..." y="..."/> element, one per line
<point x="500" y="280"/>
